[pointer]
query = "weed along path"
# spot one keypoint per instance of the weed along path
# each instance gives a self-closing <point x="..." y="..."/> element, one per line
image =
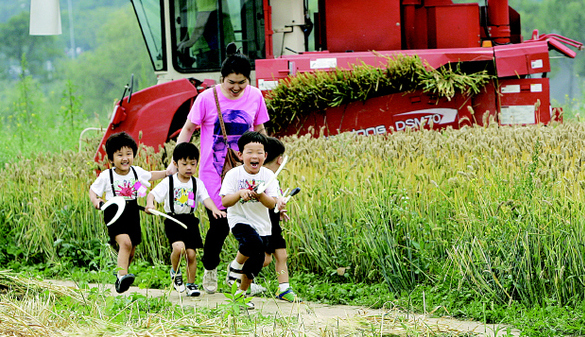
<point x="314" y="319"/>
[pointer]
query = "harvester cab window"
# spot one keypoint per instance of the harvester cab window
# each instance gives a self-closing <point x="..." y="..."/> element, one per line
<point x="149" y="17"/>
<point x="200" y="33"/>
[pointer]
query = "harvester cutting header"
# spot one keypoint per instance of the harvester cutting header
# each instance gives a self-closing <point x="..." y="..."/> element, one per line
<point x="309" y="39"/>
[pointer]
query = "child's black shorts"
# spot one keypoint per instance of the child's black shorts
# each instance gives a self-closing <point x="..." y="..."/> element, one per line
<point x="276" y="241"/>
<point x="127" y="223"/>
<point x="190" y="236"/>
<point x="252" y="245"/>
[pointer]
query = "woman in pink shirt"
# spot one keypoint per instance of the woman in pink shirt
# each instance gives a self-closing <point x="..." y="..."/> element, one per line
<point x="243" y="108"/>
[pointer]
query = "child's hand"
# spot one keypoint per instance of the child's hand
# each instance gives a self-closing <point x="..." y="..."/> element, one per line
<point x="219" y="214"/>
<point x="147" y="208"/>
<point x="283" y="215"/>
<point x="98" y="203"/>
<point x="171" y="169"/>
<point x="281" y="203"/>
<point x="246" y="195"/>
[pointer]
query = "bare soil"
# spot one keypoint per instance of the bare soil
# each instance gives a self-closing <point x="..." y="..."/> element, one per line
<point x="314" y="319"/>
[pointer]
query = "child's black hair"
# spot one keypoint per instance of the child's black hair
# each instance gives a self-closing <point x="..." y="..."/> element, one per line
<point x="235" y="63"/>
<point x="251" y="137"/>
<point x="275" y="149"/>
<point x="185" y="151"/>
<point x="119" y="140"/>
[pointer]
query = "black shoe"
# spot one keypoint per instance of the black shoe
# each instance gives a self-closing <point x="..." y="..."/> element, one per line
<point x="192" y="290"/>
<point x="124" y="282"/>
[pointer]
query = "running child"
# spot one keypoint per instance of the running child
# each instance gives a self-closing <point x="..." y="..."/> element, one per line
<point x="247" y="210"/>
<point x="181" y="193"/>
<point x="128" y="181"/>
<point x="276" y="243"/>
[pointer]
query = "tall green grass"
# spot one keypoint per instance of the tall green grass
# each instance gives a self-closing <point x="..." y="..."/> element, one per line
<point x="497" y="210"/>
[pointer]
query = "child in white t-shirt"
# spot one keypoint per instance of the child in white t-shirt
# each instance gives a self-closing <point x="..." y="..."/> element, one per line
<point x="277" y="243"/>
<point x="181" y="192"/>
<point x="127" y="181"/>
<point x="247" y="210"/>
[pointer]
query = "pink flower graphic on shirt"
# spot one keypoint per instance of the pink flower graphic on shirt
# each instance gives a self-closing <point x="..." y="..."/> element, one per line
<point x="251" y="184"/>
<point x="126" y="190"/>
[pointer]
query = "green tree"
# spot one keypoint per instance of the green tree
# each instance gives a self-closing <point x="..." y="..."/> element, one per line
<point x="39" y="50"/>
<point x="102" y="73"/>
<point x="569" y="23"/>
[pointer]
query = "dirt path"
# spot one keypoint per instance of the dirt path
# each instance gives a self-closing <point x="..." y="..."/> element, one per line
<point x="313" y="319"/>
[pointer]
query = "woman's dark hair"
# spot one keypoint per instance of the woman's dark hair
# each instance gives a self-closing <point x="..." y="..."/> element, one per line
<point x="119" y="140"/>
<point x="235" y="63"/>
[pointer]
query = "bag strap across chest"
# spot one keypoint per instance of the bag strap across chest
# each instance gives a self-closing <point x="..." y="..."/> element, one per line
<point x="220" y="116"/>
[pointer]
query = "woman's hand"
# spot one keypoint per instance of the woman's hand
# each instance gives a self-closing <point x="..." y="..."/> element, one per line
<point x="171" y="169"/>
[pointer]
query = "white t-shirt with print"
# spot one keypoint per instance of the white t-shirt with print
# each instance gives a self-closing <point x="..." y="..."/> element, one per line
<point x="181" y="194"/>
<point x="250" y="212"/>
<point x="124" y="185"/>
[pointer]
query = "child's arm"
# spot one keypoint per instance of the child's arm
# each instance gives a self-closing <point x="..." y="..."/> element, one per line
<point x="231" y="199"/>
<point x="95" y="199"/>
<point x="149" y="203"/>
<point x="157" y="175"/>
<point x="268" y="201"/>
<point x="217" y="213"/>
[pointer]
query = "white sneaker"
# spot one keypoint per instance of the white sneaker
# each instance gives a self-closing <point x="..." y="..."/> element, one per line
<point x="210" y="281"/>
<point x="255" y="289"/>
<point x="177" y="279"/>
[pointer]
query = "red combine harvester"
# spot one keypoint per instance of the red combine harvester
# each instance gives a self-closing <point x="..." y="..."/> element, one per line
<point x="185" y="40"/>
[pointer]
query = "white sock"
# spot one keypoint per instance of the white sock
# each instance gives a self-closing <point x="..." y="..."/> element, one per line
<point x="237" y="265"/>
<point x="283" y="286"/>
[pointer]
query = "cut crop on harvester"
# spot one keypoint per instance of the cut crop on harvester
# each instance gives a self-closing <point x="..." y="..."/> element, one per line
<point x="316" y="91"/>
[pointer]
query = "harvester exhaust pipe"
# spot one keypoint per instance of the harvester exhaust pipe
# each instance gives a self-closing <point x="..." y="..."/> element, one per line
<point x="498" y="20"/>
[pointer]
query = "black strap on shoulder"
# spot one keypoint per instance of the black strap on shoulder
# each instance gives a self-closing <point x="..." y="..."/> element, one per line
<point x="171" y="194"/>
<point x="135" y="177"/>
<point x="112" y="181"/>
<point x="194" y="193"/>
